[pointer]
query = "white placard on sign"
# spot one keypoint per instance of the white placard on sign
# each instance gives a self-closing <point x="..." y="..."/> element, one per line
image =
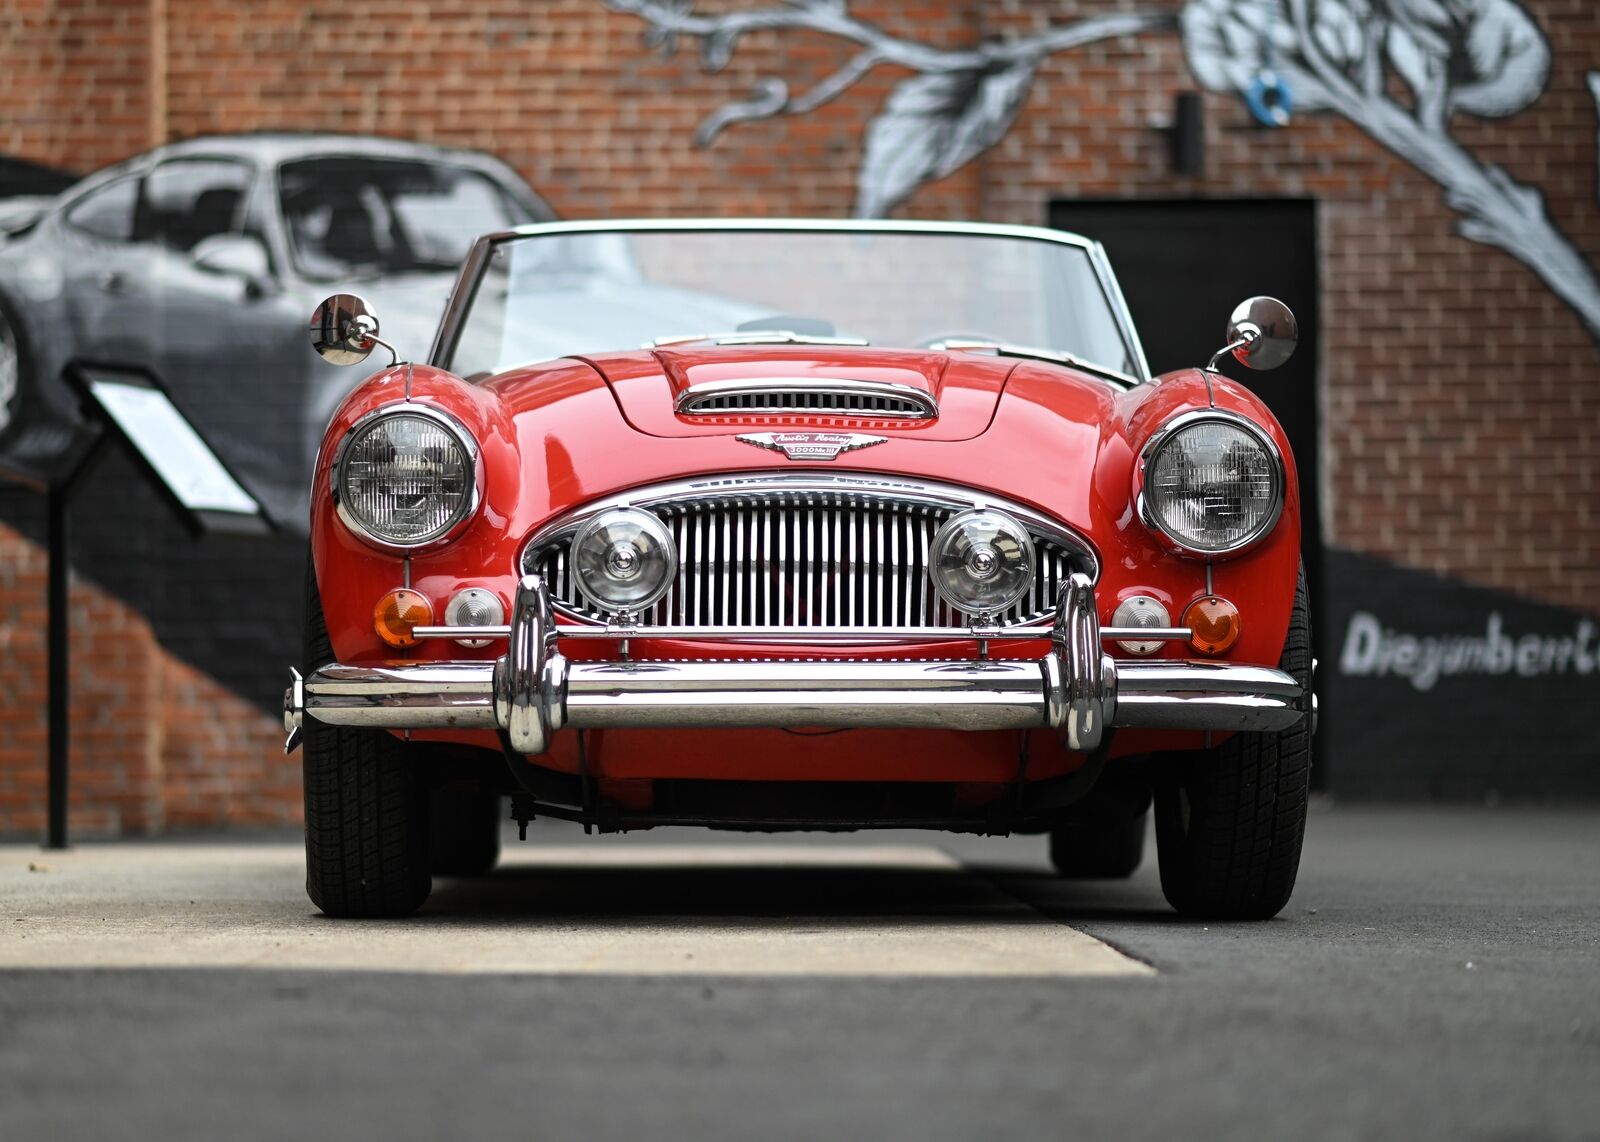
<point x="172" y="447"/>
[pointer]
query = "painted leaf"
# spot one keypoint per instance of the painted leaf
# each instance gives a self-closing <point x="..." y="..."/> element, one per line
<point x="1229" y="43"/>
<point x="1486" y="57"/>
<point x="933" y="124"/>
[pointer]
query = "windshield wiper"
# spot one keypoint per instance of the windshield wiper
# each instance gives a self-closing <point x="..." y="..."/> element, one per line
<point x="753" y="337"/>
<point x="1001" y="349"/>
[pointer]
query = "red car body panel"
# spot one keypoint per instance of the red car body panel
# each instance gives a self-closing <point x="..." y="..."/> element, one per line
<point x="555" y="436"/>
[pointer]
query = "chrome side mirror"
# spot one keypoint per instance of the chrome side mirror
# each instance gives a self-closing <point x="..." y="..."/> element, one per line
<point x="1261" y="334"/>
<point x="344" y="330"/>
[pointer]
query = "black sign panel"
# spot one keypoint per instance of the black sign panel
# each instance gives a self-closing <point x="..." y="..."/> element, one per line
<point x="1439" y="689"/>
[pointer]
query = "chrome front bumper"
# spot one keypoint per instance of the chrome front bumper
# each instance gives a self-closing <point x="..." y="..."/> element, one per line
<point x="534" y="690"/>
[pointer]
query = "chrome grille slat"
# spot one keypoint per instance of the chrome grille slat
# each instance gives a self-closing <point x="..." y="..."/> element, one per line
<point x="807" y="559"/>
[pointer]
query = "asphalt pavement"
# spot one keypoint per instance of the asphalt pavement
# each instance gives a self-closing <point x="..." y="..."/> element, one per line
<point x="1437" y="975"/>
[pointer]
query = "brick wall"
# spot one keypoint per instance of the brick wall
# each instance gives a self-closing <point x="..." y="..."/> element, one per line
<point x="74" y="80"/>
<point x="156" y="744"/>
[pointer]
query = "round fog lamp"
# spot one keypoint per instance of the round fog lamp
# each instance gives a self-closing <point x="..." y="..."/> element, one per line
<point x="1140" y="611"/>
<point x="474" y="607"/>
<point x="1213" y="624"/>
<point x="981" y="561"/>
<point x="623" y="559"/>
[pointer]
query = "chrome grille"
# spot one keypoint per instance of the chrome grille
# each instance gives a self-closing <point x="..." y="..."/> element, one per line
<point x="806" y="559"/>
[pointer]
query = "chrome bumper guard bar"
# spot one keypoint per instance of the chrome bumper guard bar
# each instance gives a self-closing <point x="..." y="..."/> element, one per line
<point x="534" y="690"/>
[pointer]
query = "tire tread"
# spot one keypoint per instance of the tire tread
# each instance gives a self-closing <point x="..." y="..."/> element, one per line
<point x="366" y="808"/>
<point x="1239" y="856"/>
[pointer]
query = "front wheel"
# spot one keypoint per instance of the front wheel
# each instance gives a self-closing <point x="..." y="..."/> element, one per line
<point x="366" y="808"/>
<point x="1230" y="820"/>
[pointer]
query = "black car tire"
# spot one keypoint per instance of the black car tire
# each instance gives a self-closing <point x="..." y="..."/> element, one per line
<point x="1230" y="820"/>
<point x="464" y="832"/>
<point x="1108" y="847"/>
<point x="366" y="808"/>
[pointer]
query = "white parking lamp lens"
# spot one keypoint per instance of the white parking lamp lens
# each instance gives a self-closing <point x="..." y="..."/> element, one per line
<point x="624" y="559"/>
<point x="1140" y="611"/>
<point x="1213" y="487"/>
<point x="474" y="607"/>
<point x="406" y="479"/>
<point x="981" y="561"/>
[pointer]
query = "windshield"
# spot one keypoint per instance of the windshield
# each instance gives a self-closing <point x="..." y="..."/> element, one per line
<point x="560" y="294"/>
<point x="362" y="216"/>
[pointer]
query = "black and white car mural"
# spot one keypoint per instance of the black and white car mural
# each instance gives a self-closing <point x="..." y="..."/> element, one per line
<point x="202" y="262"/>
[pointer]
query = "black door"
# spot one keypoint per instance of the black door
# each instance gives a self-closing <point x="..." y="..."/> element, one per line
<point x="1184" y="265"/>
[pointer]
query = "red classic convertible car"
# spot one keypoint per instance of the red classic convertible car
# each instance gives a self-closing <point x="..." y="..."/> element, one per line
<point x="803" y="525"/>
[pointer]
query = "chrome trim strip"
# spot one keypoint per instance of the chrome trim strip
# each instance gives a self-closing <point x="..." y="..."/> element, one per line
<point x="872" y="634"/>
<point x="1119" y="306"/>
<point x="690" y="402"/>
<point x="450" y="424"/>
<point x="466" y="287"/>
<point x="1196" y="416"/>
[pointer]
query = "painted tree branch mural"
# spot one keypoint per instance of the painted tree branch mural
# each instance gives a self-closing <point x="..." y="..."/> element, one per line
<point x="956" y="105"/>
<point x="1483" y="57"/>
<point x="1479" y="57"/>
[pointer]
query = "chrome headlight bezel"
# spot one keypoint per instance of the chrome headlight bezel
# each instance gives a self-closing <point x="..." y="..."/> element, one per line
<point x="1164" y="436"/>
<point x="438" y="536"/>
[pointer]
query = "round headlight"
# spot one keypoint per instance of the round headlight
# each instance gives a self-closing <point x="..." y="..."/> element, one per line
<point x="405" y="478"/>
<point x="623" y="559"/>
<point x="981" y="561"/>
<point x="1213" y="484"/>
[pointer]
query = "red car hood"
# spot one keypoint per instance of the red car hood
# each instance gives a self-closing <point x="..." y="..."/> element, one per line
<point x="965" y="387"/>
<point x="1021" y="429"/>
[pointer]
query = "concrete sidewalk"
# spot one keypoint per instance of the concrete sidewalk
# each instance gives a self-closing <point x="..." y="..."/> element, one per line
<point x="667" y="910"/>
<point x="1436" y="976"/>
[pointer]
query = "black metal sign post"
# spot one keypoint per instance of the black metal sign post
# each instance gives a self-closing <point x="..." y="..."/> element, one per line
<point x="58" y="644"/>
<point x="205" y="494"/>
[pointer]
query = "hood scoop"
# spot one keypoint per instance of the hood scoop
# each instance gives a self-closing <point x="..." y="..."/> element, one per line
<point x="816" y="396"/>
<point x="720" y="390"/>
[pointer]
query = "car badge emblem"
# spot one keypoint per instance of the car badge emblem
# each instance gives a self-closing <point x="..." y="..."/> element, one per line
<point x="811" y="445"/>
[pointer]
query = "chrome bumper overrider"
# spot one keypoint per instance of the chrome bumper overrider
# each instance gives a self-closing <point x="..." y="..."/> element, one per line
<point x="534" y="690"/>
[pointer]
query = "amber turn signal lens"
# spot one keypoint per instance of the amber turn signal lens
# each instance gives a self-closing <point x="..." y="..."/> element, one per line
<point x="1213" y="625"/>
<point x="399" y="613"/>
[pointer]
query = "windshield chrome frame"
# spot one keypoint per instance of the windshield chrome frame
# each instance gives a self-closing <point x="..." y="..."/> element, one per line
<point x="466" y="287"/>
